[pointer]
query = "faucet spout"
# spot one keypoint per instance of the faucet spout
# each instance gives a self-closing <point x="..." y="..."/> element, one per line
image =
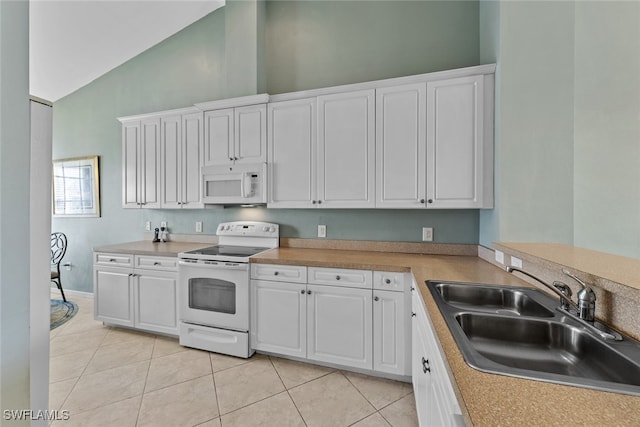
<point x="563" y="297"/>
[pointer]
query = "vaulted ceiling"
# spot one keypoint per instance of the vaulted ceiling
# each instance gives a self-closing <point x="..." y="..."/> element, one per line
<point x="73" y="42"/>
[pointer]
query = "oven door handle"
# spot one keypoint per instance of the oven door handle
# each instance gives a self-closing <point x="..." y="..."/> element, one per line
<point x="221" y="265"/>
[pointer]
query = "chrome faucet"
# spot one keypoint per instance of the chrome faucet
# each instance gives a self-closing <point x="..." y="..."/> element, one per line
<point x="559" y="288"/>
<point x="586" y="307"/>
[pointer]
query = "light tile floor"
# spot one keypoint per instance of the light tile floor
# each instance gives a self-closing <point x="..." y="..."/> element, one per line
<point x="106" y="376"/>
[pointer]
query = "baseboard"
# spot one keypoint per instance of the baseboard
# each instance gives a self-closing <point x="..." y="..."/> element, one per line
<point x="71" y="292"/>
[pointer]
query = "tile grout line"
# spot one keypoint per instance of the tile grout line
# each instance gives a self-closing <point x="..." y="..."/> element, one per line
<point x="215" y="389"/>
<point x="144" y="386"/>
<point x="286" y="389"/>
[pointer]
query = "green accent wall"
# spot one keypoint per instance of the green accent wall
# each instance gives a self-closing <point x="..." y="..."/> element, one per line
<point x="298" y="45"/>
<point x="567" y="134"/>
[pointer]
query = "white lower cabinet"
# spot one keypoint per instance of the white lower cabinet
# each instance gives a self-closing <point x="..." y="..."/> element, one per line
<point x="339" y="325"/>
<point x="337" y="322"/>
<point x="436" y="401"/>
<point x="144" y="298"/>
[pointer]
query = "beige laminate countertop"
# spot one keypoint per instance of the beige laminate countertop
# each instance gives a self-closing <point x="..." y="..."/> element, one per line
<point x="145" y="247"/>
<point x="487" y="399"/>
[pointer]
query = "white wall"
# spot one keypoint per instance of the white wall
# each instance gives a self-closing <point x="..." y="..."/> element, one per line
<point x="40" y="205"/>
<point x="14" y="206"/>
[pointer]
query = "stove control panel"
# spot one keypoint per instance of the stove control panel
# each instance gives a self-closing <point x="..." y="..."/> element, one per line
<point x="249" y="229"/>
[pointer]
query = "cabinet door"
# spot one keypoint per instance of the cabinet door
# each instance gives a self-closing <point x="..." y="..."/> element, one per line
<point x="279" y="317"/>
<point x="113" y="293"/>
<point x="389" y="332"/>
<point x="250" y="134"/>
<point x="191" y="164"/>
<point x="218" y="137"/>
<point x="401" y="146"/>
<point x="339" y="325"/>
<point x="292" y="154"/>
<point x="156" y="301"/>
<point x="130" y="164"/>
<point x="346" y="150"/>
<point x="455" y="126"/>
<point x="171" y="155"/>
<point x="149" y="166"/>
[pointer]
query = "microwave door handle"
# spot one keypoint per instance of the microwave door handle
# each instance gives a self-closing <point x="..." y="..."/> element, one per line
<point x="245" y="186"/>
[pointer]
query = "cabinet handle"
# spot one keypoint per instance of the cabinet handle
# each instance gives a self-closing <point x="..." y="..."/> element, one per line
<point x="425" y="366"/>
<point x="387" y="281"/>
<point x="308" y="292"/>
<point x="413" y="289"/>
<point x="156" y="263"/>
<point x="112" y="260"/>
<point x="376" y="299"/>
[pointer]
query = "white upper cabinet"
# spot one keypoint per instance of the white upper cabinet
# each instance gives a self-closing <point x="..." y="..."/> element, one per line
<point x="346" y="150"/>
<point x="322" y="151"/>
<point x="292" y="148"/>
<point x="401" y="146"/>
<point x="181" y="145"/>
<point x="235" y="135"/>
<point x="459" y="143"/>
<point x="141" y="163"/>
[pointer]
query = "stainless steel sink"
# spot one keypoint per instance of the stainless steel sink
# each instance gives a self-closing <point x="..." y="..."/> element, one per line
<point x="492" y="299"/>
<point x="518" y="332"/>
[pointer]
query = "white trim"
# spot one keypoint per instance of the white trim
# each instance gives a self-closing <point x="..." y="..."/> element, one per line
<point x="242" y="101"/>
<point x="68" y="292"/>
<point x="177" y="111"/>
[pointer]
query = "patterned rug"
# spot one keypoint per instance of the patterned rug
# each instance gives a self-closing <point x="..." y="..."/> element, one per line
<point x="61" y="312"/>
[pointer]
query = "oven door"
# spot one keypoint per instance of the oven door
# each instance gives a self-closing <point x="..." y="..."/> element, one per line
<point x="214" y="293"/>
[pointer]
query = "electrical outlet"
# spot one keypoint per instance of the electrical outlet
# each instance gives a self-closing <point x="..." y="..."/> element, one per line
<point x="516" y="262"/>
<point x="427" y="234"/>
<point x="500" y="257"/>
<point x="163" y="224"/>
<point x="198" y="226"/>
<point x="147" y="225"/>
<point x="322" y="231"/>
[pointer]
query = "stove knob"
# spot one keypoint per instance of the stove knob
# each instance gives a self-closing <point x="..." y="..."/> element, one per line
<point x="272" y="229"/>
<point x="265" y="228"/>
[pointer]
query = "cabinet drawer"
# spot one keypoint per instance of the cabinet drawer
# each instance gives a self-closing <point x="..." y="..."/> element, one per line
<point x="387" y="281"/>
<point x="115" y="260"/>
<point x="279" y="273"/>
<point x="340" y="277"/>
<point x="156" y="262"/>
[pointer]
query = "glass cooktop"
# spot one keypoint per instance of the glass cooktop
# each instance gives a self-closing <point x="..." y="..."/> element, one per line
<point x="228" y="251"/>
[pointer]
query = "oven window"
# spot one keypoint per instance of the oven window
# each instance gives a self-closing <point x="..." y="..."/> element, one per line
<point x="212" y="295"/>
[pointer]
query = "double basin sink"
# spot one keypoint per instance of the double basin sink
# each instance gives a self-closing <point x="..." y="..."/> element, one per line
<point x="520" y="332"/>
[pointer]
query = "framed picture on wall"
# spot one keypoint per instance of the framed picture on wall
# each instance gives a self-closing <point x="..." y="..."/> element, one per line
<point x="76" y="189"/>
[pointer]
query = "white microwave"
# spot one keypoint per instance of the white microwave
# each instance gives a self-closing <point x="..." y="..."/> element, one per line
<point x="235" y="185"/>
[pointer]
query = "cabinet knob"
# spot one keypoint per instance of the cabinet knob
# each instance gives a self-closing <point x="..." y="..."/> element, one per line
<point x="319" y="201"/>
<point x="235" y="158"/>
<point x="314" y="202"/>
<point x="308" y="292"/>
<point x="275" y="273"/>
<point x="337" y="277"/>
<point x="422" y="201"/>
<point x="302" y="292"/>
<point x="156" y="263"/>
<point x="425" y="366"/>
<point x="112" y="260"/>
<point x="387" y="281"/>
<point x="430" y="201"/>
<point x="376" y="299"/>
<point x="413" y="314"/>
<point x="231" y="159"/>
